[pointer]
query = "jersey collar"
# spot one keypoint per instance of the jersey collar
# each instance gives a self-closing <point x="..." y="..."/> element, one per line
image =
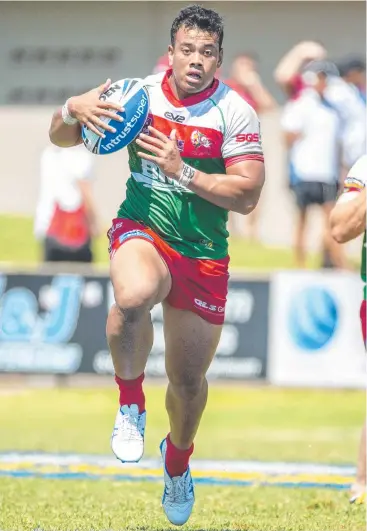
<point x="191" y="100"/>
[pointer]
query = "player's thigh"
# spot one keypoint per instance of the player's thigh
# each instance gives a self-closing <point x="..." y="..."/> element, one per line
<point x="191" y="343"/>
<point x="139" y="275"/>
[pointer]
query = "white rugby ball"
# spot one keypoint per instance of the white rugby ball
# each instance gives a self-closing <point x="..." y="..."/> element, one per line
<point x="133" y="96"/>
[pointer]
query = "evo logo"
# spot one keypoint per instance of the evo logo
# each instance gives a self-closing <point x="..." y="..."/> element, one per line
<point x="178" y="118"/>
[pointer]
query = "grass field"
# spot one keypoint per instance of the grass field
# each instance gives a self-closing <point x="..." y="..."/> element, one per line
<point x="86" y="506"/>
<point x="17" y="244"/>
<point x="261" y="423"/>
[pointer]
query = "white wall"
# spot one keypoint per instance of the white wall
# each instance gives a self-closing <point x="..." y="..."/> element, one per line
<point x="141" y="30"/>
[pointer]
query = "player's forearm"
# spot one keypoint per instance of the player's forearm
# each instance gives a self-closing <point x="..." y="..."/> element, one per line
<point x="231" y="192"/>
<point x="63" y="135"/>
<point x="348" y="220"/>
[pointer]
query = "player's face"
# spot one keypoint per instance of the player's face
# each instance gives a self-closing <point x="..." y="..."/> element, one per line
<point x="194" y="59"/>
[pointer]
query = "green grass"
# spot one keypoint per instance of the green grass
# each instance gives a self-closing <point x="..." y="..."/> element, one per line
<point x="242" y="422"/>
<point x="84" y="506"/>
<point x="17" y="244"/>
<point x="263" y="423"/>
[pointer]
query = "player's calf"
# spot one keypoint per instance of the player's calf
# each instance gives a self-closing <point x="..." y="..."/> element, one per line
<point x="140" y="280"/>
<point x="178" y="495"/>
<point x="130" y="336"/>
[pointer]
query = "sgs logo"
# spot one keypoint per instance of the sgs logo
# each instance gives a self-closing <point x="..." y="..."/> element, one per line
<point x="248" y="137"/>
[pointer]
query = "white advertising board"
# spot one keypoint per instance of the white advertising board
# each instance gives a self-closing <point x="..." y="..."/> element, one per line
<point x="315" y="334"/>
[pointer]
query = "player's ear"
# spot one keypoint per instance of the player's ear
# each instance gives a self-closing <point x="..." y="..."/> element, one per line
<point x="220" y="59"/>
<point x="170" y="55"/>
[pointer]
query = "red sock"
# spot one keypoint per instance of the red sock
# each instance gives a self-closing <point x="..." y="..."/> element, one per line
<point x="131" y="392"/>
<point x="177" y="460"/>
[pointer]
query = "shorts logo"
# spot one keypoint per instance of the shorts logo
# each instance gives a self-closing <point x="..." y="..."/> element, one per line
<point x="208" y="307"/>
<point x="113" y="229"/>
<point x="134" y="234"/>
<point x="198" y="140"/>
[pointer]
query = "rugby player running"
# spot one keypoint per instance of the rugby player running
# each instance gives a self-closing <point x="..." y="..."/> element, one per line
<point x="198" y="157"/>
<point x="348" y="221"/>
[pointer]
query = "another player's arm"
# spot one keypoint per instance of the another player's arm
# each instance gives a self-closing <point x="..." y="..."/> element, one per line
<point x="65" y="129"/>
<point x="348" y="217"/>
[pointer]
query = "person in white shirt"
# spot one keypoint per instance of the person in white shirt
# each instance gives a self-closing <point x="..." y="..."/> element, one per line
<point x="66" y="218"/>
<point x="312" y="130"/>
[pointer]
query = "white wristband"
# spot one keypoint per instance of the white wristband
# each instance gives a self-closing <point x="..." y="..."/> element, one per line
<point x="187" y="175"/>
<point x="66" y="116"/>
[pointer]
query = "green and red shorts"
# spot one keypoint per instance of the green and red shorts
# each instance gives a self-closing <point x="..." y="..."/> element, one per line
<point x="198" y="285"/>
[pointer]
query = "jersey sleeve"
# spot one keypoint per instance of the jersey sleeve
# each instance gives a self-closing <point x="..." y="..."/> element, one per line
<point x="356" y="180"/>
<point x="242" y="137"/>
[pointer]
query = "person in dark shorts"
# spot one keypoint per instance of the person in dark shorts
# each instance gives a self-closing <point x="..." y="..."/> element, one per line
<point x="312" y="130"/>
<point x="314" y="193"/>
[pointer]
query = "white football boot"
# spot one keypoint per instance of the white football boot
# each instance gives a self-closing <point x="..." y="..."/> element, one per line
<point x="127" y="440"/>
<point x="178" y="496"/>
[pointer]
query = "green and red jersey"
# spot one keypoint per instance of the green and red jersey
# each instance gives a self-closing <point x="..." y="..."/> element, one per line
<point x="214" y="130"/>
<point x="356" y="181"/>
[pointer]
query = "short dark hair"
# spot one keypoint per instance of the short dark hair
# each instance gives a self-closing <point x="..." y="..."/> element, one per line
<point x="199" y="17"/>
<point x="351" y="63"/>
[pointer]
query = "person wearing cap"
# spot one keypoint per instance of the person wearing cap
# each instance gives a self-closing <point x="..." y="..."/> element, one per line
<point x="312" y="132"/>
<point x="353" y="70"/>
<point x="343" y="95"/>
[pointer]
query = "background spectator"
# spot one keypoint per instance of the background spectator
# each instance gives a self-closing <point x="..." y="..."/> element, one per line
<point x="353" y="70"/>
<point x="288" y="71"/>
<point x="246" y="81"/>
<point x="66" y="218"/>
<point x="312" y="133"/>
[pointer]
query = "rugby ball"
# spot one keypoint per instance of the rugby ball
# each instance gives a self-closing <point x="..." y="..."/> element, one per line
<point x="133" y="96"/>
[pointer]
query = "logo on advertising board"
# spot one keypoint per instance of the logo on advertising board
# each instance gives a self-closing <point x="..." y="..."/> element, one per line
<point x="313" y="318"/>
<point x="36" y="327"/>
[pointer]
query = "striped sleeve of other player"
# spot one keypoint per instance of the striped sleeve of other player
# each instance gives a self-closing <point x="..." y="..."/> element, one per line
<point x="242" y="137"/>
<point x="356" y="180"/>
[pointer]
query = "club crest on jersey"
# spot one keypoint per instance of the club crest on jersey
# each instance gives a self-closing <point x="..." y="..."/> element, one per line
<point x="199" y="139"/>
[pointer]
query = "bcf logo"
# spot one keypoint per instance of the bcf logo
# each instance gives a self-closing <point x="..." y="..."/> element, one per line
<point x="210" y="307"/>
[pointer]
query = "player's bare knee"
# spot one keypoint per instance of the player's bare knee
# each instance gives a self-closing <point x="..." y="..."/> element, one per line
<point x="186" y="386"/>
<point x="134" y="303"/>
